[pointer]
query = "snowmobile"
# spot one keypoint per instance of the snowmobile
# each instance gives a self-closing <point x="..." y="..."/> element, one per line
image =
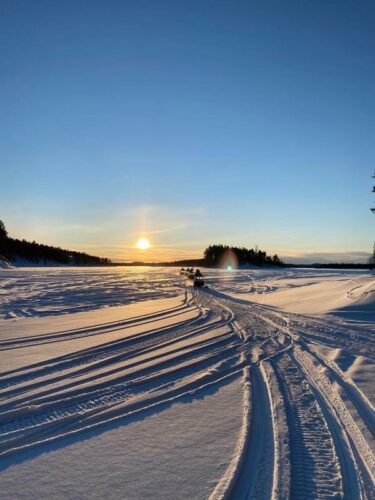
<point x="195" y="279"/>
<point x="198" y="281"/>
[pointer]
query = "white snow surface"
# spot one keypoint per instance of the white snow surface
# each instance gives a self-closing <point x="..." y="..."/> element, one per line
<point x="127" y="383"/>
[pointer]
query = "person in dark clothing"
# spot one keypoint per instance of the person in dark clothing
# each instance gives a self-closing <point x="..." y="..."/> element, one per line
<point x="198" y="278"/>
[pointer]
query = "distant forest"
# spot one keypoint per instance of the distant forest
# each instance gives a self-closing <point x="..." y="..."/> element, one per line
<point x="224" y="255"/>
<point x="336" y="265"/>
<point x="219" y="255"/>
<point x="14" y="250"/>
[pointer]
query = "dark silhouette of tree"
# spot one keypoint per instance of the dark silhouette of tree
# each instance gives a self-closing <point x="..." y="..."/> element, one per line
<point x="15" y="250"/>
<point x="3" y="239"/>
<point x="219" y="255"/>
<point x="372" y="258"/>
<point x="3" y="231"/>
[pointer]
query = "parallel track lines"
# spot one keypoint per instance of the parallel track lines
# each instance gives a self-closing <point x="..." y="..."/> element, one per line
<point x="298" y="439"/>
<point x="161" y="367"/>
<point x="329" y="455"/>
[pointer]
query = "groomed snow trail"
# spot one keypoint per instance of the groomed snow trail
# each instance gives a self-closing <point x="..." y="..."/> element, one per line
<point x="301" y="439"/>
<point x="307" y="429"/>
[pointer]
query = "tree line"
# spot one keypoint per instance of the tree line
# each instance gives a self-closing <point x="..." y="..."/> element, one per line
<point x="14" y="249"/>
<point x="218" y="255"/>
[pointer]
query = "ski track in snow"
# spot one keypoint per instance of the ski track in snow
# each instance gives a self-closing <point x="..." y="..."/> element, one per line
<point x="307" y="430"/>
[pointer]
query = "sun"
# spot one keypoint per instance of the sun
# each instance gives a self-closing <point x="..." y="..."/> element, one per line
<point x="143" y="244"/>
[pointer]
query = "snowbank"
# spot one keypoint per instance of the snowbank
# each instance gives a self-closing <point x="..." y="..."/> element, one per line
<point x="345" y="293"/>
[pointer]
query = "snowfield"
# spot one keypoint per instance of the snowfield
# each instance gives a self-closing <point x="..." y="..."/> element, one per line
<point x="126" y="383"/>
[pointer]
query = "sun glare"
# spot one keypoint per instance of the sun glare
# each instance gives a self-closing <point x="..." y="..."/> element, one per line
<point x="143" y="244"/>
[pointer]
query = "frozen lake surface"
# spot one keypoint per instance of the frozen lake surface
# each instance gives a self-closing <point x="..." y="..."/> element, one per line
<point x="125" y="383"/>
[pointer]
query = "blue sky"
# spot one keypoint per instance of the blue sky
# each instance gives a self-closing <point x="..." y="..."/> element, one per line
<point x="189" y="122"/>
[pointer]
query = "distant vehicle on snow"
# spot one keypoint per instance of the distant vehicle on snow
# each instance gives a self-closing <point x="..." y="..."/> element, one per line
<point x="193" y="278"/>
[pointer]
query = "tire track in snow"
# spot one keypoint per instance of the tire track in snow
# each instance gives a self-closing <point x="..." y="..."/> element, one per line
<point x="326" y="447"/>
<point x="72" y="424"/>
<point x="189" y="359"/>
<point x="298" y="439"/>
<point x="362" y="405"/>
<point x="171" y="359"/>
<point x="357" y="459"/>
<point x="355" y="454"/>
<point x="100" y="371"/>
<point x="92" y="330"/>
<point x="315" y="469"/>
<point x="92" y="355"/>
<point x="254" y="475"/>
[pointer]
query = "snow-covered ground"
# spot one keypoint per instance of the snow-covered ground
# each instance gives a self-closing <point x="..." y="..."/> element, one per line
<point x="123" y="383"/>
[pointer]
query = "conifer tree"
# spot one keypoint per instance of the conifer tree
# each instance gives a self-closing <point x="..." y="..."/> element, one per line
<point x="3" y="231"/>
<point x="372" y="258"/>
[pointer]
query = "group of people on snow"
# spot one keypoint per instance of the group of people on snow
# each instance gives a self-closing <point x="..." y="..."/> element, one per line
<point x="190" y="271"/>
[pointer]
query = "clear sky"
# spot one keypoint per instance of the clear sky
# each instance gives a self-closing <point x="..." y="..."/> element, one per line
<point x="189" y="122"/>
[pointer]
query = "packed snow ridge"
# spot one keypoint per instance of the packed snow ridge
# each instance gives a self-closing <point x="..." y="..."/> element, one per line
<point x="127" y="383"/>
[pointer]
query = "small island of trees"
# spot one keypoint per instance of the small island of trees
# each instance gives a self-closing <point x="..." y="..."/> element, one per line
<point x="219" y="255"/>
